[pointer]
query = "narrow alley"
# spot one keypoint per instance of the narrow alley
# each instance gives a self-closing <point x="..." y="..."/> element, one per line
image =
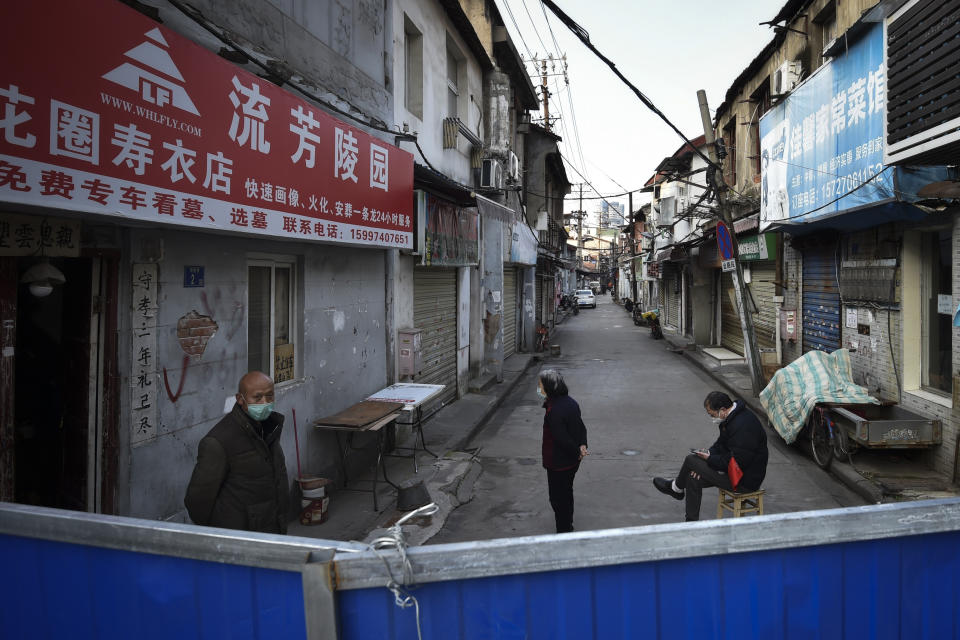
<point x="643" y="407"/>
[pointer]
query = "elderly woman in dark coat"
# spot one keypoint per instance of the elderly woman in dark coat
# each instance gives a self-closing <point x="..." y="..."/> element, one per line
<point x="564" y="445"/>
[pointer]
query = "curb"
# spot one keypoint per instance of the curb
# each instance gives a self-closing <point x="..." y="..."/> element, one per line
<point x="846" y="475"/>
<point x="507" y="385"/>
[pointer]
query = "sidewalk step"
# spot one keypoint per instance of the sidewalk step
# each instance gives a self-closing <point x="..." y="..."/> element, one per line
<point x="721" y="356"/>
<point x="482" y="383"/>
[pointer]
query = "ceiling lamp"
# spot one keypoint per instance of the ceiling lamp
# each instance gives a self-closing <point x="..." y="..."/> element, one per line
<point x="42" y="277"/>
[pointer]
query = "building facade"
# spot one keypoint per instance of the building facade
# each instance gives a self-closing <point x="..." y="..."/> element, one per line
<point x="278" y="186"/>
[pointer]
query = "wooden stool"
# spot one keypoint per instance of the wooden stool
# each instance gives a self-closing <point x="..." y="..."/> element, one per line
<point x="741" y="504"/>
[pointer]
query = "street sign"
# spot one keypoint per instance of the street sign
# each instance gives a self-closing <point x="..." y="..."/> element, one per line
<point x="724" y="242"/>
<point x="728" y="265"/>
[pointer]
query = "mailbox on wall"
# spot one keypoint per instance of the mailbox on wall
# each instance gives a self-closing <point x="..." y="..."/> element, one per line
<point x="410" y="354"/>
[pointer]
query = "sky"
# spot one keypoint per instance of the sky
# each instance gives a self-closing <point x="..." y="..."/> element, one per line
<point x="668" y="50"/>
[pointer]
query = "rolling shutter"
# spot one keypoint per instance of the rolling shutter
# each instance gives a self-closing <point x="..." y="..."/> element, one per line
<point x="731" y="333"/>
<point x="821" y="300"/>
<point x="509" y="311"/>
<point x="435" y="314"/>
<point x="671" y="283"/>
<point x="763" y="274"/>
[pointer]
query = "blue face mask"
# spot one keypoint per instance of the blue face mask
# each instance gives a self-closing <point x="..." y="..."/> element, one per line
<point x="260" y="412"/>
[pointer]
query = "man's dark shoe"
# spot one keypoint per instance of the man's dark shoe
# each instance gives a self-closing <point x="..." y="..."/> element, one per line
<point x="665" y="486"/>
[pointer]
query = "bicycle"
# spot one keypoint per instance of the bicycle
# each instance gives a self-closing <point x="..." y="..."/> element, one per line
<point x="828" y="440"/>
<point x="540" y="343"/>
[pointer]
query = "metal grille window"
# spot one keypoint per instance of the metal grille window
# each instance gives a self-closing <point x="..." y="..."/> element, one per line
<point x="271" y="345"/>
<point x="937" y="311"/>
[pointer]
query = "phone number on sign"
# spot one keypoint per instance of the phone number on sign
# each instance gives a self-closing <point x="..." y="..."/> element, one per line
<point x="366" y="235"/>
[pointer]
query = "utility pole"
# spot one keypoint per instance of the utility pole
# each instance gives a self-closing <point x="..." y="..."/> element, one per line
<point x="751" y="354"/>
<point x="546" y="95"/>
<point x="541" y="69"/>
<point x="633" y="251"/>
<point x="580" y="229"/>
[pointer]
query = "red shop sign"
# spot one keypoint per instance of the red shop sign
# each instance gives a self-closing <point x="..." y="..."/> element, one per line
<point x="134" y="121"/>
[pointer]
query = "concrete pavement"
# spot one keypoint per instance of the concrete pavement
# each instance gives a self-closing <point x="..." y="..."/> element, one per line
<point x="879" y="475"/>
<point x="641" y="400"/>
<point x="642" y="405"/>
<point x="448" y="479"/>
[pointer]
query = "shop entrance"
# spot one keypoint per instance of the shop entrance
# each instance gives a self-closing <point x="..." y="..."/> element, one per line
<point x="54" y="393"/>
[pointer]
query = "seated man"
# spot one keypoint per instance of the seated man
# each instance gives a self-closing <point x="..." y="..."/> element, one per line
<point x="741" y="436"/>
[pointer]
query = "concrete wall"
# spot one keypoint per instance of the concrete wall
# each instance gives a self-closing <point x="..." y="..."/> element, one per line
<point x="340" y="354"/>
<point x="464" y="307"/>
<point x="490" y="301"/>
<point x="792" y="299"/>
<point x="342" y="47"/>
<point x="432" y="22"/>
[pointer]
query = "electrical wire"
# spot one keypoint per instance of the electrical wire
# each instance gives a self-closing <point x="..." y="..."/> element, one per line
<point x="584" y="37"/>
<point x="838" y="198"/>
<point x="370" y="122"/>
<point x="506" y="4"/>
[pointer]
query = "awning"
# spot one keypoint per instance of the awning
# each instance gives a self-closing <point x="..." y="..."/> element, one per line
<point x="865" y="218"/>
<point x="435" y="182"/>
<point x="494" y="210"/>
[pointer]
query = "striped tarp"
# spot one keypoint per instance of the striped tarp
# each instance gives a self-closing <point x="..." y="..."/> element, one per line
<point x="815" y="377"/>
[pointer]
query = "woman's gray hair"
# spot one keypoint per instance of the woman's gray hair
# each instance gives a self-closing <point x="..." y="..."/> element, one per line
<point x="553" y="384"/>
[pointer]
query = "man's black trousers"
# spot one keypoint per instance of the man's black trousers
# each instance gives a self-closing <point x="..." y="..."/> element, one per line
<point x="693" y="488"/>
<point x="560" y="485"/>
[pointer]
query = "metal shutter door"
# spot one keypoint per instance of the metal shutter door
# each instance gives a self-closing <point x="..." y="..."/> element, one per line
<point x="821" y="300"/>
<point x="435" y="314"/>
<point x="672" y="295"/>
<point x="731" y="333"/>
<point x="509" y="311"/>
<point x="763" y="273"/>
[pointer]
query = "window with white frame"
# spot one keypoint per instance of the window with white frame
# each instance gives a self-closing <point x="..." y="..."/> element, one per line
<point x="937" y="311"/>
<point x="413" y="68"/>
<point x="271" y="317"/>
<point x="826" y="21"/>
<point x="454" y="58"/>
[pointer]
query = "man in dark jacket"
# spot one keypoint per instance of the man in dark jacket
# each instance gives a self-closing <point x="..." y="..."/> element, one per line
<point x="240" y="480"/>
<point x="742" y="438"/>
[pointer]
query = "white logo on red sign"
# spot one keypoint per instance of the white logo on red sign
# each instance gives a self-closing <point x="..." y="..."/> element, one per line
<point x="155" y="89"/>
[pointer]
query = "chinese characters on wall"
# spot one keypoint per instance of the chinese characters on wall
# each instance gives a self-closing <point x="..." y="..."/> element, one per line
<point x="33" y="236"/>
<point x="143" y="375"/>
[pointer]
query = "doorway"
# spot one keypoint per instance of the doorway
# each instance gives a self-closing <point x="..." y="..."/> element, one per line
<point x="52" y="389"/>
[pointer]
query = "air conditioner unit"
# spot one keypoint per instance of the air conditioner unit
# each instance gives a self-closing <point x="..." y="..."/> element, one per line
<point x="513" y="168"/>
<point x="491" y="174"/>
<point x="785" y="78"/>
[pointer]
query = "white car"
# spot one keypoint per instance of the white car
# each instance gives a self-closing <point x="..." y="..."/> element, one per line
<point x="585" y="298"/>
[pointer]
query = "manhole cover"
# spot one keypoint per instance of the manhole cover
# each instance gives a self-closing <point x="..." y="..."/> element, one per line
<point x="629" y="452"/>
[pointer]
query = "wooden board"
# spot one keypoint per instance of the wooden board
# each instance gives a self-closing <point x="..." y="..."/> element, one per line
<point x="361" y="414"/>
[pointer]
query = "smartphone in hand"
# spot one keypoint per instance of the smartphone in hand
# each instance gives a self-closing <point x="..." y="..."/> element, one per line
<point x="700" y="451"/>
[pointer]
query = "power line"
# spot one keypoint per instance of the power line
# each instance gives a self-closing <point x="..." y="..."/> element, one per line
<point x="369" y="122"/>
<point x="566" y="77"/>
<point x="584" y="37"/>
<point x="506" y="4"/>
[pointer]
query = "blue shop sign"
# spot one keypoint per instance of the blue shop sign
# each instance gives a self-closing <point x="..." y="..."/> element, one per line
<point x="821" y="148"/>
